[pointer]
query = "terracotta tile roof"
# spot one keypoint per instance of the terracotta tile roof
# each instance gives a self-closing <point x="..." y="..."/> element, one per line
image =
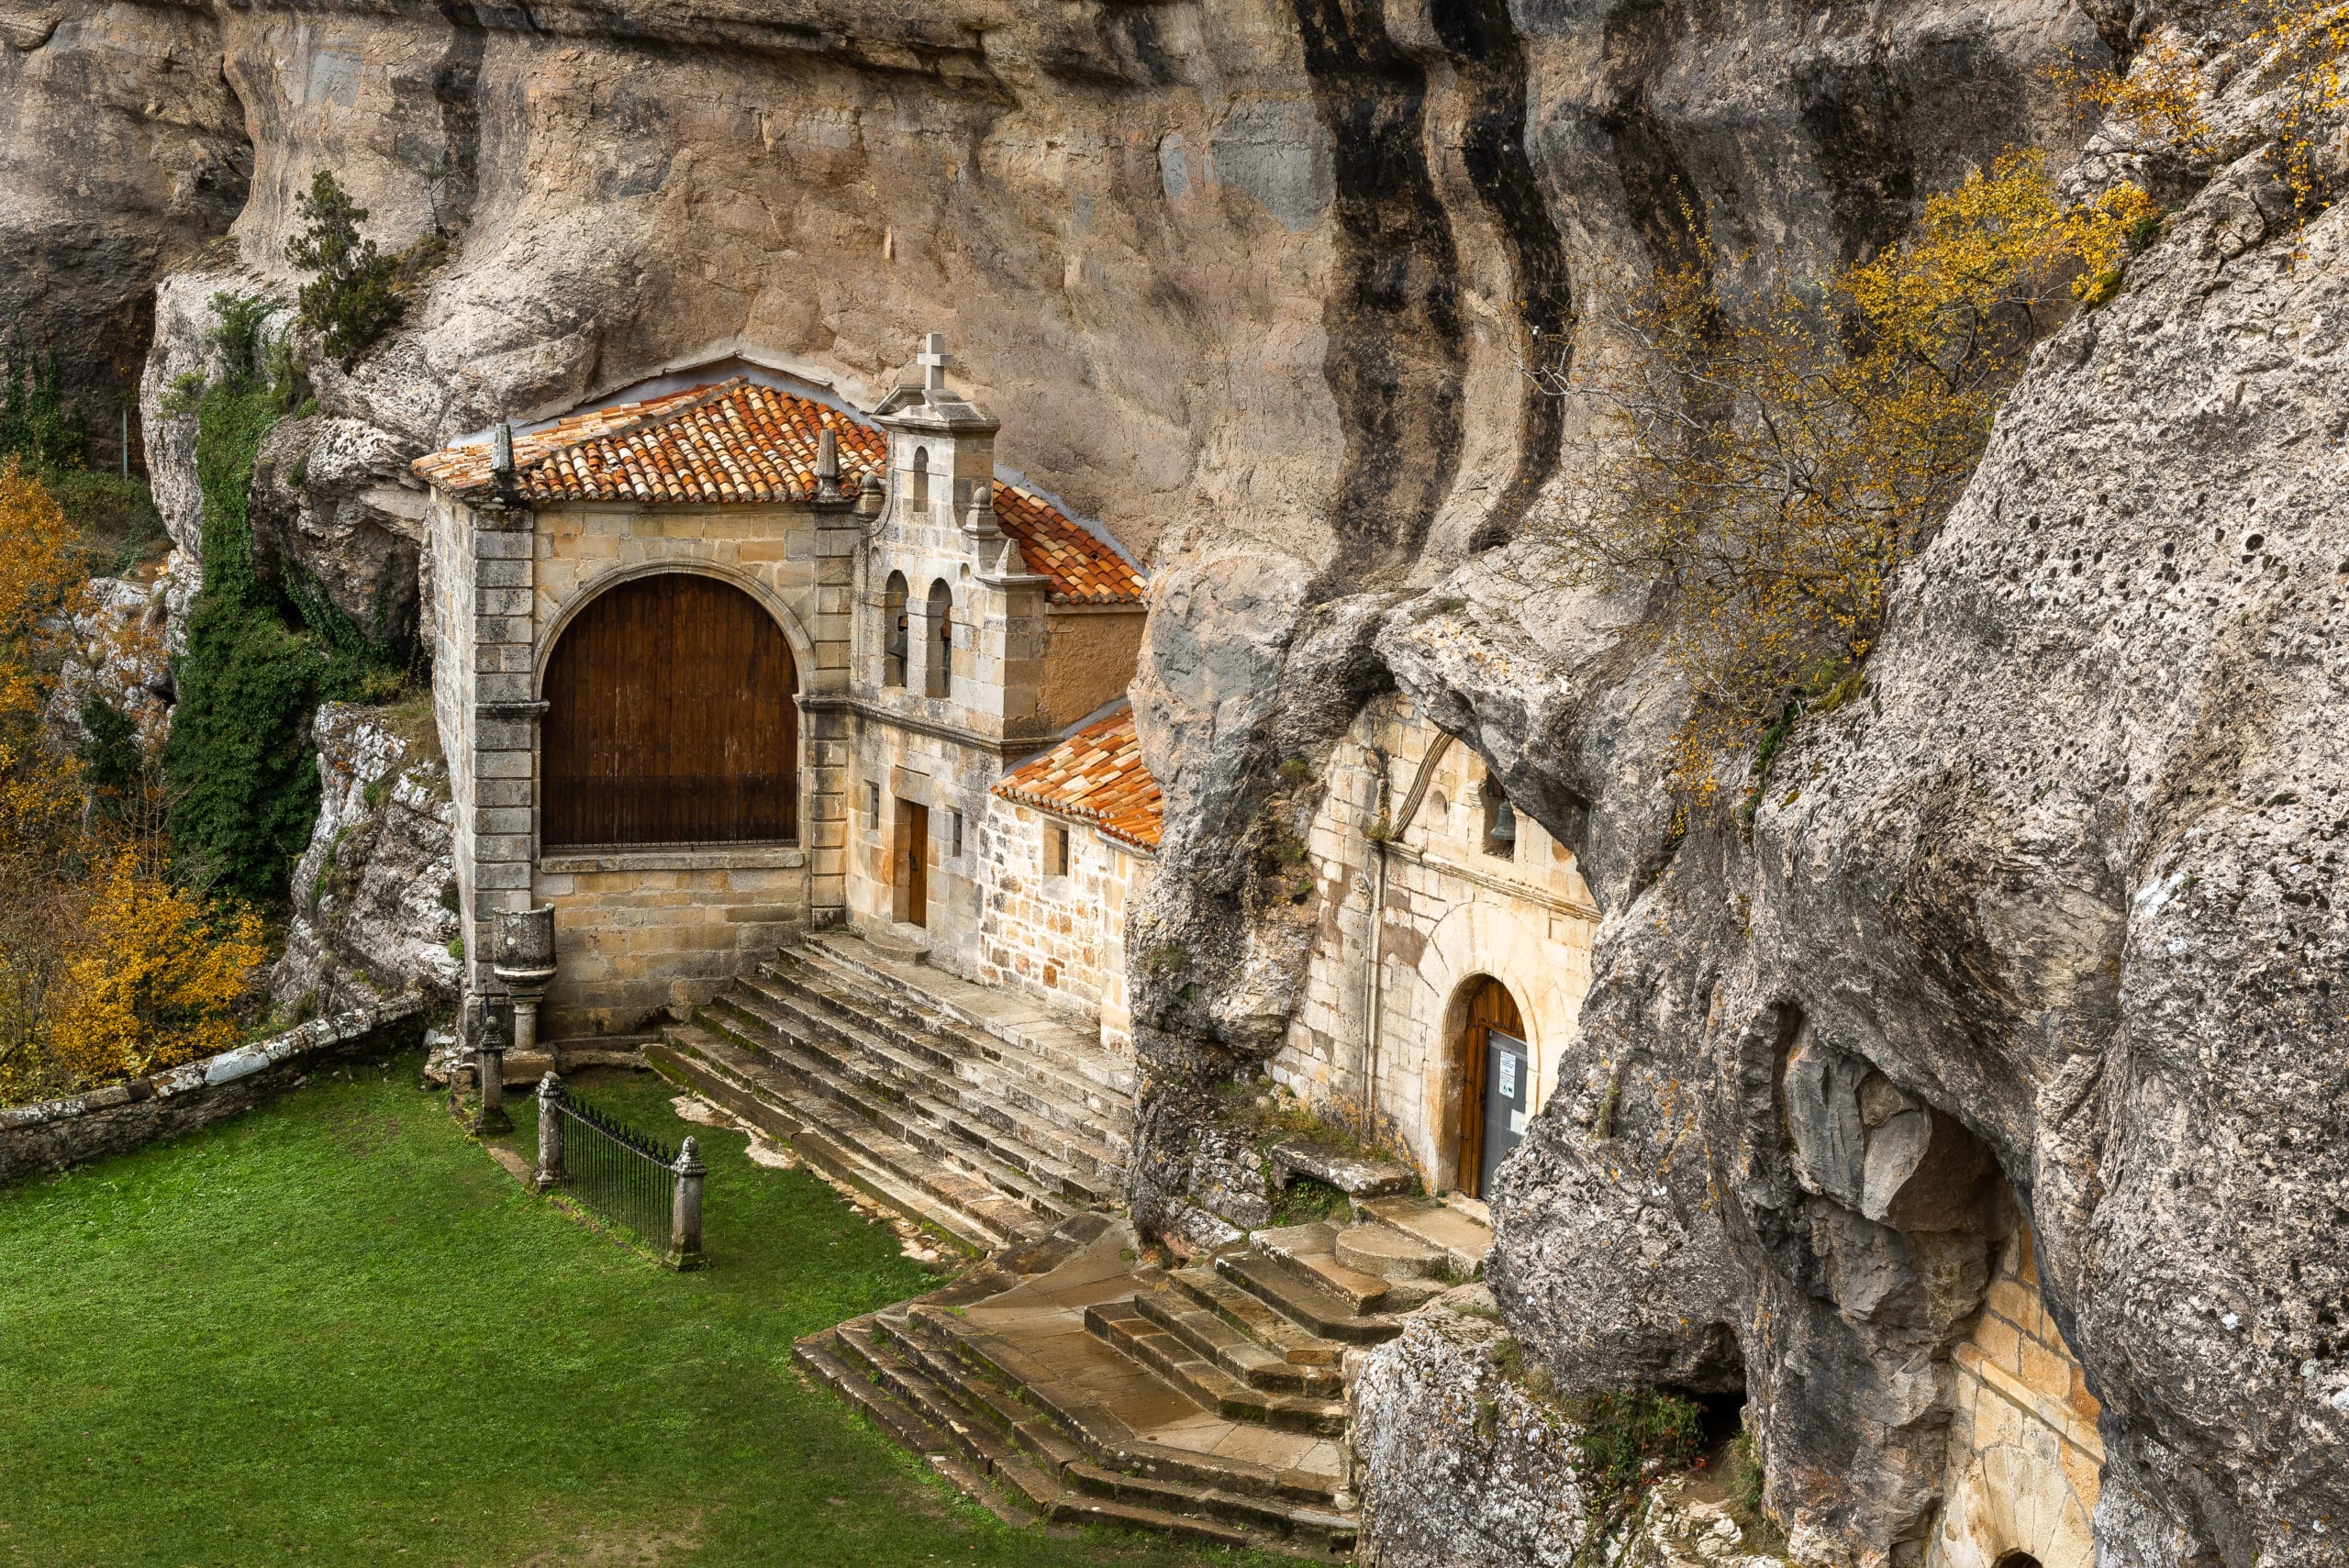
<point x="1094" y="777"/>
<point x="737" y="443"/>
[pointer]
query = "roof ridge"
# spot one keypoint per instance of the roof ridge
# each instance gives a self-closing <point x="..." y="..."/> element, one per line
<point x="715" y="392"/>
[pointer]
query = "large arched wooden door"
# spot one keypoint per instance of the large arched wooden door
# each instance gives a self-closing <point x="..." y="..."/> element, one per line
<point x="670" y="719"/>
<point x="1496" y="1084"/>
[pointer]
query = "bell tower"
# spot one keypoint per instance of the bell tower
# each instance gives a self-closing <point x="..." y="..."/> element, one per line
<point x="942" y="462"/>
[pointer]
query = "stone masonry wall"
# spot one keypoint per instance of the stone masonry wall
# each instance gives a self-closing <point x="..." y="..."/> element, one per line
<point x="2026" y="1463"/>
<point x="1058" y="938"/>
<point x="1452" y="912"/>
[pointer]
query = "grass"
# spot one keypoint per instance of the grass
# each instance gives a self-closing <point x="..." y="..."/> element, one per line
<point x="332" y="1331"/>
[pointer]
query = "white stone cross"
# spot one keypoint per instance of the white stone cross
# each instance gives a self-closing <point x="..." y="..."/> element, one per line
<point x="933" y="358"/>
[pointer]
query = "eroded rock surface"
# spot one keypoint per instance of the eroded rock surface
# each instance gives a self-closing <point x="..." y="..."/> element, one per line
<point x="374" y="895"/>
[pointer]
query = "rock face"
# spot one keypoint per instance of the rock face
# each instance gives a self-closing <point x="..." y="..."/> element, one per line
<point x="2040" y="931"/>
<point x="374" y="895"/>
<point x="122" y="151"/>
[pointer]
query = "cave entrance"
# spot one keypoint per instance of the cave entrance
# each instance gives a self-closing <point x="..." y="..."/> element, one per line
<point x="671" y="719"/>
<point x="1496" y="1081"/>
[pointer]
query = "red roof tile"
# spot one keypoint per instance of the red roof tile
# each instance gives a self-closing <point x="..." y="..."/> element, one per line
<point x="736" y="442"/>
<point x="1094" y="777"/>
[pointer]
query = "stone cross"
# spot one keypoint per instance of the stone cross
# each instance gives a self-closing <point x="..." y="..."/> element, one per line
<point x="934" y="360"/>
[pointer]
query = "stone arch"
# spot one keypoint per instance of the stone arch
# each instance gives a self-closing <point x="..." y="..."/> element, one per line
<point x="1474" y="941"/>
<point x="938" y="634"/>
<point x="794" y="631"/>
<point x="672" y="718"/>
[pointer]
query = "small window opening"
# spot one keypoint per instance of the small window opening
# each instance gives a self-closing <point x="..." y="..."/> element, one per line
<point x="1500" y="823"/>
<point x="895" y="622"/>
<point x="872" y="803"/>
<point x="955" y="827"/>
<point x="920" y="486"/>
<point x="938" y="674"/>
<point x="1055" y="852"/>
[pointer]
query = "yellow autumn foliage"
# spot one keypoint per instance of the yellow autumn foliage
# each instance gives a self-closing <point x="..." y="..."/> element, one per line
<point x="106" y="969"/>
<point x="157" y="979"/>
<point x="1772" y="468"/>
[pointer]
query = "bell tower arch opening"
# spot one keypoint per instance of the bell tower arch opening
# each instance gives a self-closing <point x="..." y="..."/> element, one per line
<point x="938" y="662"/>
<point x="895" y="629"/>
<point x="671" y="719"/>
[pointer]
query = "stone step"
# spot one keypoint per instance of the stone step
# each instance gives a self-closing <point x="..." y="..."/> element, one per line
<point x="938" y="1131"/>
<point x="1206" y="1288"/>
<point x="1461" y="1239"/>
<point x="942" y="1034"/>
<point x="1067" y="1133"/>
<point x="1304" y="1302"/>
<point x="970" y="1212"/>
<point x="1099" y="1430"/>
<point x="1312" y="1251"/>
<point x="1387" y="1254"/>
<point x="928" y="1416"/>
<point x="1022" y="1027"/>
<point x="1122" y="1326"/>
<point x="1233" y="1349"/>
<point x="845" y="1111"/>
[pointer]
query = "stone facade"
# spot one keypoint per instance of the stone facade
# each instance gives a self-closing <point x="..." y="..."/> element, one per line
<point x="1058" y="935"/>
<point x="2025" y="1461"/>
<point x="1452" y="911"/>
<point x="999" y="655"/>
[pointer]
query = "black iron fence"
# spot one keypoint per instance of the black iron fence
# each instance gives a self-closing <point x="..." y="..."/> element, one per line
<point x="625" y="1175"/>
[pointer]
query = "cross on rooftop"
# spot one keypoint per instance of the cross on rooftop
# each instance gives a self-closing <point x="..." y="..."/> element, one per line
<point x="933" y="358"/>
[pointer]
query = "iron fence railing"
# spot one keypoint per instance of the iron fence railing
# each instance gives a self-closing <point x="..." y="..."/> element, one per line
<point x="626" y="1174"/>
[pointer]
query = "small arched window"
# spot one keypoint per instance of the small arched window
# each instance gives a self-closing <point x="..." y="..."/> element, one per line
<point x="896" y="630"/>
<point x="938" y="665"/>
<point x="919" y="489"/>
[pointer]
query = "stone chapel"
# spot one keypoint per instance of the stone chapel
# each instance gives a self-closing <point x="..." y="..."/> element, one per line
<point x="808" y="722"/>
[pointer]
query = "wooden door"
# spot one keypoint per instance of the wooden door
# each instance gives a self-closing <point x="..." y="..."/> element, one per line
<point x="670" y="719"/>
<point x="912" y="877"/>
<point x="1494" y="1031"/>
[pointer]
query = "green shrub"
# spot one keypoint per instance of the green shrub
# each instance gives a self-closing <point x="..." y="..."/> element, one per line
<point x="349" y="301"/>
<point x="36" y="422"/>
<point x="1630" y="1439"/>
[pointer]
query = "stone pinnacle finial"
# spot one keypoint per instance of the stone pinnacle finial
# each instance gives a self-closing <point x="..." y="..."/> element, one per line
<point x="501" y="451"/>
<point x="828" y="465"/>
<point x="934" y="360"/>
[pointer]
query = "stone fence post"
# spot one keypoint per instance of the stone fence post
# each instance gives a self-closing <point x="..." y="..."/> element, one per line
<point x="489" y="1060"/>
<point x="685" y="1217"/>
<point x="550" y="1133"/>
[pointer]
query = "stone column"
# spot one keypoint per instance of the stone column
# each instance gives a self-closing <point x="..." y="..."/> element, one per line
<point x="684" y="1216"/>
<point x="489" y="1058"/>
<point x="839" y="535"/>
<point x="549" y="1173"/>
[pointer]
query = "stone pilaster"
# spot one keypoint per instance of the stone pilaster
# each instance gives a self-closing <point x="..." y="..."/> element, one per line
<point x="826" y="738"/>
<point x="505" y="728"/>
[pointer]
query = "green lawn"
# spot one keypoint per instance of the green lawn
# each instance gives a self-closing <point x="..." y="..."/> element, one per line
<point x="331" y="1329"/>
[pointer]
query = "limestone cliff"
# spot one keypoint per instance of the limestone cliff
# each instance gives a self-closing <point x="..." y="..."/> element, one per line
<point x="2038" y="933"/>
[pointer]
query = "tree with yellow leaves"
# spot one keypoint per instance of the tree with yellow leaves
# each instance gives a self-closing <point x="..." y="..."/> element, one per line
<point x="156" y="978"/>
<point x="106" y="969"/>
<point x="1771" y="471"/>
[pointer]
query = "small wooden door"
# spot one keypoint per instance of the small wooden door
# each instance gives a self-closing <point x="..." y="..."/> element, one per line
<point x="912" y="876"/>
<point x="1495" y="1084"/>
<point x="671" y="719"/>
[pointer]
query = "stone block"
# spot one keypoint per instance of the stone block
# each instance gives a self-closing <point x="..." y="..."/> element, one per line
<point x="504" y="603"/>
<point x="502" y="573"/>
<point x="501" y="546"/>
<point x="502" y="766"/>
<point x="2045" y="1372"/>
<point x="490" y="687"/>
<point x="489" y="628"/>
<point x="497" y="791"/>
<point x="501" y="820"/>
<point x="503" y="874"/>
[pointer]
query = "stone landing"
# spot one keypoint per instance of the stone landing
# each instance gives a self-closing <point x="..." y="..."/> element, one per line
<point x="1067" y="1380"/>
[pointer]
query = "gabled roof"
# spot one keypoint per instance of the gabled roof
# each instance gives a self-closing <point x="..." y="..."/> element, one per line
<point x="1096" y="777"/>
<point x="738" y="442"/>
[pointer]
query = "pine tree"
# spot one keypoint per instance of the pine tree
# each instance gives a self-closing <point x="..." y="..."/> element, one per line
<point x="349" y="300"/>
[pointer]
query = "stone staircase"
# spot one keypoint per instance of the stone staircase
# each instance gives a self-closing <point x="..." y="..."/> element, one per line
<point x="984" y="1118"/>
<point x="1062" y="1376"/>
<point x="1068" y="1380"/>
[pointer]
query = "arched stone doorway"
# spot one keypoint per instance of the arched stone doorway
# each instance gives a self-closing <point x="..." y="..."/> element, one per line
<point x="1496" y="1084"/>
<point x="670" y="719"/>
